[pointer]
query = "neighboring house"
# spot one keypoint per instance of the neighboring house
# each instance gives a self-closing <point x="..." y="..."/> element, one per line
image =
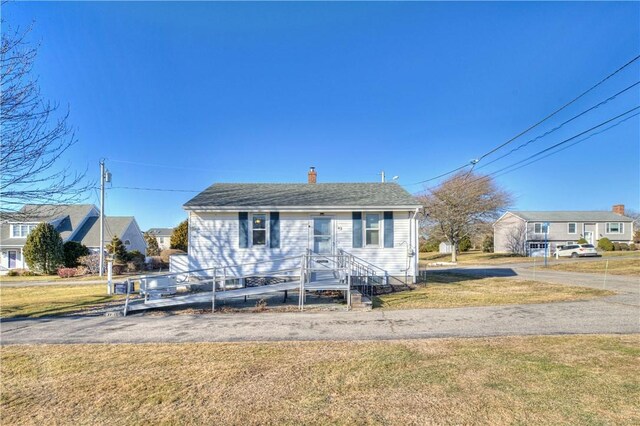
<point x="78" y="222"/>
<point x="534" y="232"/>
<point x="243" y="223"/>
<point x="163" y="237"/>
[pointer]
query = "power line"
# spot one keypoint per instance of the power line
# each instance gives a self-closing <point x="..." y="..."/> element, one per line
<point x="570" y="145"/>
<point x="473" y="162"/>
<point x="558" y="144"/>
<point x="610" y="98"/>
<point x="153" y="189"/>
<point x="164" y="166"/>
<point x="561" y="108"/>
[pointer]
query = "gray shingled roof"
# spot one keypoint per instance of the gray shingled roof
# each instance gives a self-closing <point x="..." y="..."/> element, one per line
<point x="70" y="216"/>
<point x="160" y="231"/>
<point x="89" y="234"/>
<point x="572" y="216"/>
<point x="303" y="195"/>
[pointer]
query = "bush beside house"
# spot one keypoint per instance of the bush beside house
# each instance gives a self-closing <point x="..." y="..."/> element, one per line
<point x="72" y="252"/>
<point x="43" y="249"/>
<point x="605" y="244"/>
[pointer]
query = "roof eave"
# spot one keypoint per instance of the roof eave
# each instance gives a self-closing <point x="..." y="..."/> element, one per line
<point x="301" y="208"/>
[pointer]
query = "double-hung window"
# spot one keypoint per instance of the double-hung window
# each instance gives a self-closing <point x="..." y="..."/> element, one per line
<point x="572" y="228"/>
<point x="372" y="230"/>
<point x="614" y="228"/>
<point x="19" y="230"/>
<point x="540" y="228"/>
<point x="259" y="229"/>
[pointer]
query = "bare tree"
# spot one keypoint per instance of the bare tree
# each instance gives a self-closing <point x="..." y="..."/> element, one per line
<point x="462" y="204"/>
<point x="35" y="135"/>
<point x="516" y="238"/>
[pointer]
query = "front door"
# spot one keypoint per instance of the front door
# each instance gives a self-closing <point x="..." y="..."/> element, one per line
<point x="588" y="235"/>
<point x="322" y="235"/>
<point x="12" y="259"/>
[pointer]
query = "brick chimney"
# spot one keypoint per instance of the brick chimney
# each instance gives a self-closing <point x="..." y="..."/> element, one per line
<point x="618" y="209"/>
<point x="312" y="175"/>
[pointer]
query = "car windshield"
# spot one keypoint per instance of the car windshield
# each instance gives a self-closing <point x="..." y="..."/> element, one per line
<point x="587" y="245"/>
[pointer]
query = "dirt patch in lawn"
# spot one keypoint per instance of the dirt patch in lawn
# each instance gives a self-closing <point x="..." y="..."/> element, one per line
<point x="453" y="290"/>
<point x="514" y="380"/>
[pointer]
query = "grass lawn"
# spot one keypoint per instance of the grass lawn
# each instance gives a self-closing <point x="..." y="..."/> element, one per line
<point x="37" y="301"/>
<point x="473" y="257"/>
<point x="452" y="290"/>
<point x="513" y="380"/>
<point x="616" y="267"/>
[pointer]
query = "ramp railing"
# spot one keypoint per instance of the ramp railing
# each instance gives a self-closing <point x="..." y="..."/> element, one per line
<point x="341" y="271"/>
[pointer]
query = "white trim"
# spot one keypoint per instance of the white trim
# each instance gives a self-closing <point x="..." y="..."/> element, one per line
<point x="380" y="230"/>
<point x="267" y="241"/>
<point x="311" y="236"/>
<point x="13" y="225"/>
<point x="620" y="228"/>
<point x="575" y="228"/>
<point x="541" y="227"/>
<point x="512" y="214"/>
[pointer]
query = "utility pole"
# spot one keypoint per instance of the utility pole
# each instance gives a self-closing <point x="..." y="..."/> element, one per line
<point x="546" y="242"/>
<point x="105" y="176"/>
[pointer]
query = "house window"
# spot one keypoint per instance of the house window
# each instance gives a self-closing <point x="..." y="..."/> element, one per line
<point x="127" y="242"/>
<point x="540" y="228"/>
<point x="572" y="228"/>
<point x="259" y="230"/>
<point x="614" y="228"/>
<point x="372" y="229"/>
<point x="538" y="245"/>
<point x="20" y="230"/>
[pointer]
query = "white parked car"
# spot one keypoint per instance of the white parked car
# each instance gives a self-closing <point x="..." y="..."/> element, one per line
<point x="577" y="250"/>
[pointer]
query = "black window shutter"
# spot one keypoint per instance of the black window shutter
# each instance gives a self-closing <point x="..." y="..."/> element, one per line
<point x="274" y="230"/>
<point x="388" y="229"/>
<point x="243" y="218"/>
<point x="357" y="229"/>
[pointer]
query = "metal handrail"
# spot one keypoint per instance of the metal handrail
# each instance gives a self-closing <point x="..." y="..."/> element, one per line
<point x="343" y="261"/>
<point x="364" y="262"/>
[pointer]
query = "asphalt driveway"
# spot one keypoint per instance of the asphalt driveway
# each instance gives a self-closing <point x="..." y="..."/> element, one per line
<point x="615" y="314"/>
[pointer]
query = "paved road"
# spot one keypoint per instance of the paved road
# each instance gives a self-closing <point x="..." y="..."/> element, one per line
<point x="615" y="314"/>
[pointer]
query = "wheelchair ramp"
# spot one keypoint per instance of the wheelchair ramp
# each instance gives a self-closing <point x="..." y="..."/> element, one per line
<point x="310" y="272"/>
<point x="206" y="296"/>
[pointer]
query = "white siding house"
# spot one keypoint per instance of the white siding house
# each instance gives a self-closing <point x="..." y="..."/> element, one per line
<point x="233" y="224"/>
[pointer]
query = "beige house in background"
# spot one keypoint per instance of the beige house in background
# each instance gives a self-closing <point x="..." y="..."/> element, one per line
<point x="534" y="232"/>
<point x="163" y="237"/>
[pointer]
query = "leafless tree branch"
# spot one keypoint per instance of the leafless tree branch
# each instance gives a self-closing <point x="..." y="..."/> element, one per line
<point x="35" y="135"/>
<point x="461" y="206"/>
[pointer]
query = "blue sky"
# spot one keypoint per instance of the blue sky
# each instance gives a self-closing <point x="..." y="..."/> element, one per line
<point x="258" y="92"/>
